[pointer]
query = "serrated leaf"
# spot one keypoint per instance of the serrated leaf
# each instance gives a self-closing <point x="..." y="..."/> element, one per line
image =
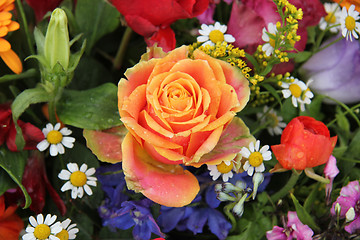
<point x="14" y="164"/>
<point x="95" y="19"/>
<point x="303" y="215"/>
<point x="93" y="109"/>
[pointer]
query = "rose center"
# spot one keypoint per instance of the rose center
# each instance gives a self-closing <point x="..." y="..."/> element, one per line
<point x="330" y="18"/>
<point x="42" y="231"/>
<point x="255" y="159"/>
<point x="216" y="36"/>
<point x="63" y="235"/>
<point x="350" y="23"/>
<point x="78" y="179"/>
<point x="223" y="168"/>
<point x="54" y="137"/>
<point x="295" y="90"/>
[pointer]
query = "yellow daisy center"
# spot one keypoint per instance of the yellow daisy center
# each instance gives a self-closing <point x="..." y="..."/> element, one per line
<point x="63" y="235"/>
<point x="330" y="18"/>
<point x="78" y="179"/>
<point x="255" y="159"/>
<point x="42" y="231"/>
<point x="295" y="90"/>
<point x="54" y="137"/>
<point x="223" y="168"/>
<point x="350" y="23"/>
<point x="216" y="36"/>
<point x="272" y="41"/>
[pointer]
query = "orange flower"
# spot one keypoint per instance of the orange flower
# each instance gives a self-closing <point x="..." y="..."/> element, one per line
<point x="348" y="3"/>
<point x="10" y="58"/>
<point x="10" y="223"/>
<point x="178" y="110"/>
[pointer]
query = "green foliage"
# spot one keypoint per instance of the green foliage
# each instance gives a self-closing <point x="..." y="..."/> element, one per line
<point x="303" y="215"/>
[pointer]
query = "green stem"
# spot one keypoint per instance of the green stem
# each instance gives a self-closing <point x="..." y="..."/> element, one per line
<point x="288" y="186"/>
<point x="348" y="110"/>
<point x="24" y="26"/>
<point x="227" y="212"/>
<point x="328" y="45"/>
<point x="51" y="109"/>
<point x="122" y="49"/>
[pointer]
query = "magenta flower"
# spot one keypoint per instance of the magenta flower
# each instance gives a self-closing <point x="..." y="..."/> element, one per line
<point x="349" y="198"/>
<point x="334" y="72"/>
<point x="330" y="172"/>
<point x="294" y="230"/>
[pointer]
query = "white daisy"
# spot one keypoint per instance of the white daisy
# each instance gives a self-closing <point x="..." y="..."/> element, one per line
<point x="269" y="46"/>
<point x="348" y="22"/>
<point x="332" y="17"/>
<point x="38" y="229"/>
<point x="211" y="34"/>
<point x="56" y="138"/>
<point x="275" y="125"/>
<point x="255" y="157"/>
<point x="79" y="179"/>
<point x="68" y="232"/>
<point x="299" y="92"/>
<point x="225" y="169"/>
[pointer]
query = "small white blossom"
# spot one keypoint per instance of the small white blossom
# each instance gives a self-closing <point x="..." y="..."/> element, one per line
<point x="211" y="34"/>
<point x="255" y="157"/>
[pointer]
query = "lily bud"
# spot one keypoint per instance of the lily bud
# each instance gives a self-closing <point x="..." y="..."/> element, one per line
<point x="57" y="47"/>
<point x="257" y="179"/>
<point x="238" y="209"/>
<point x="225" y="197"/>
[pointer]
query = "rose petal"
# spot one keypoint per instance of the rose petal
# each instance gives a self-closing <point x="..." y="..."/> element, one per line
<point x="168" y="185"/>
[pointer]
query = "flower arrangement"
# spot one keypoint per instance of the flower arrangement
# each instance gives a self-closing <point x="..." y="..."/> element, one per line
<point x="169" y="119"/>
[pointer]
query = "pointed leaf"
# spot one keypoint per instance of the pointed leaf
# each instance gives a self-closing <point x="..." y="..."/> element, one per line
<point x="14" y="163"/>
<point x="303" y="215"/>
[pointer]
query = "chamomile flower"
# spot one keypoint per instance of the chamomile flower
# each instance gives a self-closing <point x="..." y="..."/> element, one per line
<point x="68" y="232"/>
<point x="269" y="46"/>
<point x="332" y="17"/>
<point x="275" y="122"/>
<point x="211" y="34"/>
<point x="225" y="169"/>
<point x="299" y="92"/>
<point x="56" y="138"/>
<point x="79" y="179"/>
<point x="349" y="26"/>
<point x="38" y="229"/>
<point x="255" y="157"/>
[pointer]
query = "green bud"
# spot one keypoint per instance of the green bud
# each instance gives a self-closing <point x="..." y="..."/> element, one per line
<point x="57" y="47"/>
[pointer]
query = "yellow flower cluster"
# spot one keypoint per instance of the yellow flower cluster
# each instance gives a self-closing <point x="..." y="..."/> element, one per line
<point x="10" y="58"/>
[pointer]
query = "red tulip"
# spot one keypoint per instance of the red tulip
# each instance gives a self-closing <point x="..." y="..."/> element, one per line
<point x="152" y="18"/>
<point x="305" y="143"/>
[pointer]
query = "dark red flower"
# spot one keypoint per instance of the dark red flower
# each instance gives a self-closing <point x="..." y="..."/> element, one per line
<point x="41" y="7"/>
<point x="37" y="184"/>
<point x="152" y="18"/>
<point x="32" y="135"/>
<point x="10" y="223"/>
<point x="305" y="143"/>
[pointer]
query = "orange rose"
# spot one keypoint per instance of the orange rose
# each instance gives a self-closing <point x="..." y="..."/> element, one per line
<point x="178" y="110"/>
<point x="348" y="3"/>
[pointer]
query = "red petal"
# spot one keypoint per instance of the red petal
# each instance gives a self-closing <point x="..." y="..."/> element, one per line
<point x="168" y="185"/>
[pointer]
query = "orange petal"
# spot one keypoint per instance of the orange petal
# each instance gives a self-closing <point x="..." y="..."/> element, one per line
<point x="134" y="103"/>
<point x="106" y="145"/>
<point x="5" y="16"/>
<point x="4" y="45"/>
<point x="168" y="185"/>
<point x="12" y="60"/>
<point x="214" y="64"/>
<point x="13" y="26"/>
<point x="221" y="121"/>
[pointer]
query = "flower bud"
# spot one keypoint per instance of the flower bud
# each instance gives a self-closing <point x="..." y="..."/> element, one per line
<point x="57" y="47"/>
<point x="257" y="179"/>
<point x="337" y="209"/>
<point x="225" y="197"/>
<point x="350" y="214"/>
<point x="238" y="209"/>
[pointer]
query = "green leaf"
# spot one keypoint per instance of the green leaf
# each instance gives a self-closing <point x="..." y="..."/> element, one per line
<point x="11" y="77"/>
<point x="303" y="215"/>
<point x="21" y="103"/>
<point x="342" y="121"/>
<point x="93" y="109"/>
<point x="353" y="149"/>
<point x="5" y="182"/>
<point x="273" y="92"/>
<point x="302" y="56"/>
<point x="252" y="60"/>
<point x="95" y="19"/>
<point x="14" y="164"/>
<point x="309" y="201"/>
<point x="314" y="108"/>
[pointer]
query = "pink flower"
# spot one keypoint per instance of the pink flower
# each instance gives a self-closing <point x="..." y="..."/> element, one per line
<point x="294" y="230"/>
<point x="330" y="172"/>
<point x="349" y="198"/>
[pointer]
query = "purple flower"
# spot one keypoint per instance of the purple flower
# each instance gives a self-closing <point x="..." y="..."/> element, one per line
<point x="294" y="230"/>
<point x="334" y="71"/>
<point x="349" y="198"/>
<point x="330" y="172"/>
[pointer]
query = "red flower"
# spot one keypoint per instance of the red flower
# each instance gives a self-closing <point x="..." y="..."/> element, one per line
<point x="41" y="7"/>
<point x="10" y="223"/>
<point x="152" y="18"/>
<point x="36" y="183"/>
<point x="32" y="135"/>
<point x="305" y="143"/>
